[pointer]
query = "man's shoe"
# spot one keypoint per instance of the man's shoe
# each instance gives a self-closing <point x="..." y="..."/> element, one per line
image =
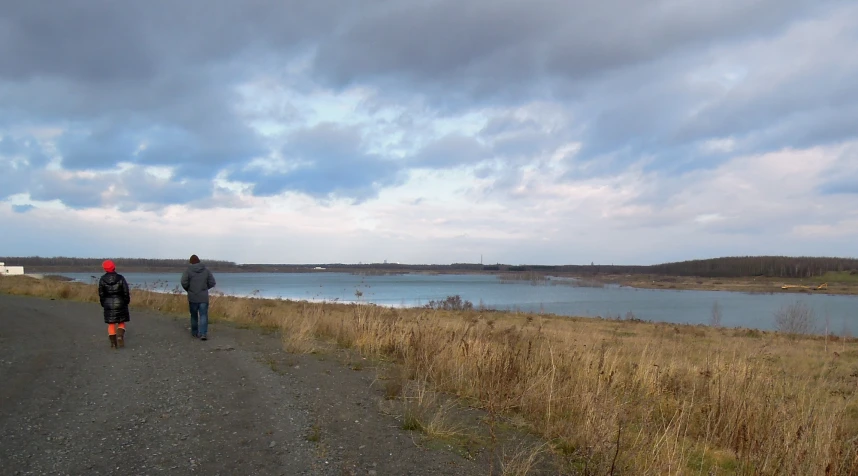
<point x="203" y="337"/>
<point x="112" y="341"/>
<point x="120" y="337"/>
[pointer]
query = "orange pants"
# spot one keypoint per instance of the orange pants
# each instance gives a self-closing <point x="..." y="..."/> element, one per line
<point x="111" y="328"/>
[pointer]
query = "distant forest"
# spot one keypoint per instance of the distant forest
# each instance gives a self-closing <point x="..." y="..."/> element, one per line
<point x="770" y="266"/>
<point x="746" y="266"/>
<point x="39" y="264"/>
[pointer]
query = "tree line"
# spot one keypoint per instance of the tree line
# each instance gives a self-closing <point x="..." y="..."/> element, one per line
<point x="769" y="266"/>
<point x="727" y="267"/>
<point x="85" y="264"/>
<point x="742" y="266"/>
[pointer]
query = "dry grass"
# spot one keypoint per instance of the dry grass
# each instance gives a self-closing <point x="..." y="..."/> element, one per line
<point x="429" y="412"/>
<point x="521" y="461"/>
<point x="610" y="397"/>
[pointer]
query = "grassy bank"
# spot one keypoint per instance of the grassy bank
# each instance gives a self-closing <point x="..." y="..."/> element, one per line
<point x="609" y="396"/>
<point x="837" y="283"/>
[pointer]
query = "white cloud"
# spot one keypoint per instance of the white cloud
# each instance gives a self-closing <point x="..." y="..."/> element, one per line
<point x="718" y="145"/>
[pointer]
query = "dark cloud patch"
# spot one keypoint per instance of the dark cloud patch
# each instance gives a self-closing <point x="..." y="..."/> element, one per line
<point x="71" y="40"/>
<point x="505" y="124"/>
<point x="601" y="40"/>
<point x="836" y="187"/>
<point x="842" y="176"/>
<point x="128" y="190"/>
<point x="97" y="149"/>
<point x="327" y="160"/>
<point x="824" y="125"/>
<point x="796" y="91"/>
<point x="77" y="192"/>
<point x="20" y="156"/>
<point x="399" y="37"/>
<point x="13" y="180"/>
<point x="324" y="180"/>
<point x="150" y="189"/>
<point x="525" y="146"/>
<point x="27" y="147"/>
<point x="199" y="154"/>
<point x="484" y="172"/>
<point x="815" y="109"/>
<point x="641" y="121"/>
<point x="428" y="42"/>
<point x="516" y="139"/>
<point x="497" y="46"/>
<point x="450" y="151"/>
<point x="179" y="127"/>
<point x="103" y="41"/>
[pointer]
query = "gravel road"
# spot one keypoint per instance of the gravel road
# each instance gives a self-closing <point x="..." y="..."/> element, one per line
<point x="170" y="404"/>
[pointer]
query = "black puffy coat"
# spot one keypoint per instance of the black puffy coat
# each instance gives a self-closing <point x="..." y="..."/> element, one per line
<point x="115" y="296"/>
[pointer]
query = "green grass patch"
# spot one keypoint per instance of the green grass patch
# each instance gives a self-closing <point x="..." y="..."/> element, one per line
<point x="315" y="434"/>
<point x="410" y="422"/>
<point x="840" y="277"/>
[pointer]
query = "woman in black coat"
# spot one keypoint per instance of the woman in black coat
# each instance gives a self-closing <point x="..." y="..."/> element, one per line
<point x="115" y="297"/>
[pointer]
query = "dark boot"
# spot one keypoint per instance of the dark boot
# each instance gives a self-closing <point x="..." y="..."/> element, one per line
<point x="112" y="341"/>
<point x="120" y="337"/>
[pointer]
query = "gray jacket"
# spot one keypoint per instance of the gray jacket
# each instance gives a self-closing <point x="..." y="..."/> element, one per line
<point x="197" y="280"/>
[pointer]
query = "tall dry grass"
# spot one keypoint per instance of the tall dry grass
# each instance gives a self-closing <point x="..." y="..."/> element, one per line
<point x="610" y="397"/>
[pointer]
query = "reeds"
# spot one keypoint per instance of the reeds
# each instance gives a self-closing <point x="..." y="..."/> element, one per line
<point x="607" y="396"/>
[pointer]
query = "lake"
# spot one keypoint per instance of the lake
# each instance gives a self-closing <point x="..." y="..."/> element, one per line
<point x="409" y="290"/>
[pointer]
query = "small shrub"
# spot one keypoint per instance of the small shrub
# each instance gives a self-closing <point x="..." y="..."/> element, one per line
<point x="715" y="319"/>
<point x="411" y="422"/>
<point x="452" y="303"/>
<point x="745" y="332"/>
<point x="797" y="319"/>
<point x="65" y="292"/>
<point x="393" y="389"/>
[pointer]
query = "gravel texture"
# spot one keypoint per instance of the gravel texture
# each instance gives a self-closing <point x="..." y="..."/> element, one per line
<point x="170" y="404"/>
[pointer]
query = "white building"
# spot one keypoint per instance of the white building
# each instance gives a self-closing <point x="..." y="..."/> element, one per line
<point x="11" y="270"/>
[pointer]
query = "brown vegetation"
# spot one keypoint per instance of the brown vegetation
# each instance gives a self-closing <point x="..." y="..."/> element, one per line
<point x="608" y="396"/>
<point x="838" y="283"/>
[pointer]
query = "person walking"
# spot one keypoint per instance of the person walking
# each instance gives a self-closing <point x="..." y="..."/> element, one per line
<point x="115" y="296"/>
<point x="197" y="280"/>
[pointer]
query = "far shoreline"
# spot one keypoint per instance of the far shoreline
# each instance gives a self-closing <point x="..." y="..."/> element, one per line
<point x="750" y="285"/>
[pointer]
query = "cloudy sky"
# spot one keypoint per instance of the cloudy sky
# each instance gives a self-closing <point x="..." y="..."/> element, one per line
<point x="430" y="131"/>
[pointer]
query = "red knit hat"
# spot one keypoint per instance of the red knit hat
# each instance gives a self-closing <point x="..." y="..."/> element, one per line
<point x="108" y="266"/>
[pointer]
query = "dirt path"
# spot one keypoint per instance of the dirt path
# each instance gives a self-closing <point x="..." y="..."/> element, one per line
<point x="170" y="404"/>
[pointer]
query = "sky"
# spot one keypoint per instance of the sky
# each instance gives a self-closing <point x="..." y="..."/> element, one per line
<point x="431" y="131"/>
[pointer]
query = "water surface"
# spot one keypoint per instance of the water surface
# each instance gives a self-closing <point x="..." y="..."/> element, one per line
<point x="688" y="307"/>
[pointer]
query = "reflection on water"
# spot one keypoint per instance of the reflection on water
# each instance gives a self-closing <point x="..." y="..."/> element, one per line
<point x="574" y="299"/>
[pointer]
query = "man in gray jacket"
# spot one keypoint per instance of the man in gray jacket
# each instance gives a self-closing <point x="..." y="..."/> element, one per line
<point x="197" y="280"/>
